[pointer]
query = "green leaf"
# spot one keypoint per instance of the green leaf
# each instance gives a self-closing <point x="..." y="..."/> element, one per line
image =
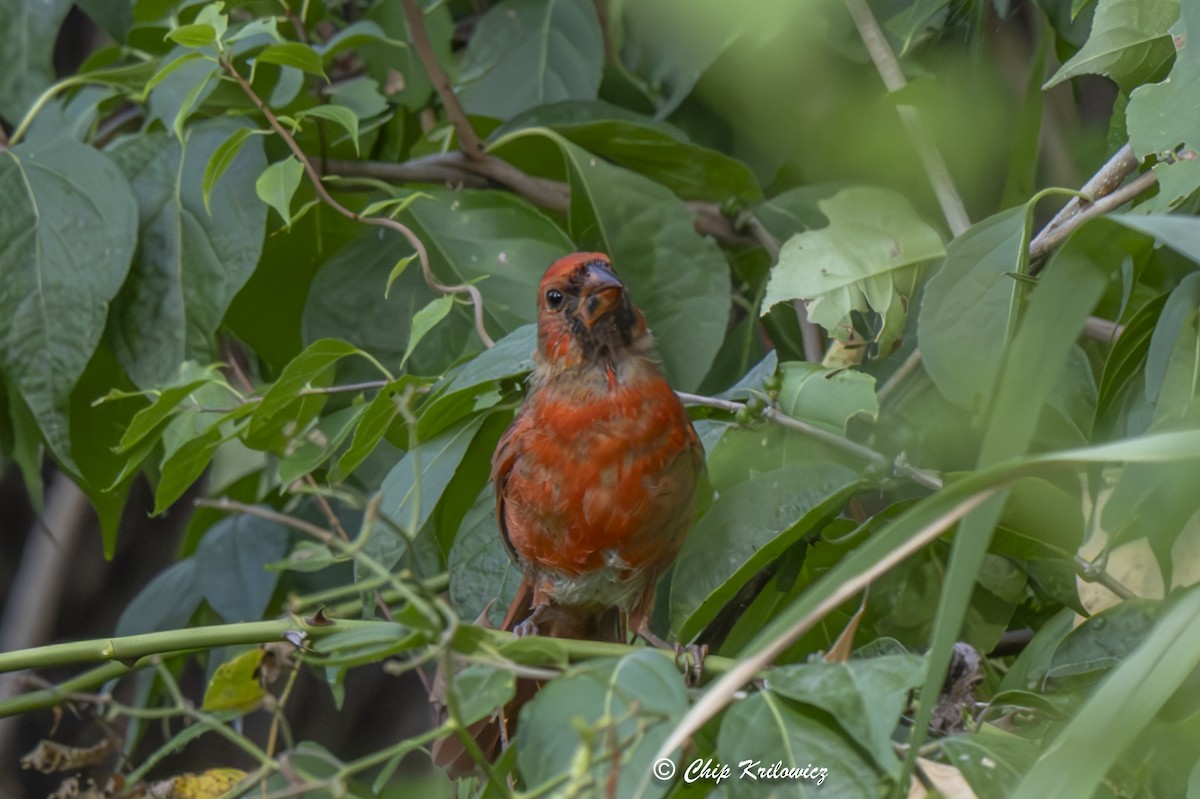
<point x="475" y="234"/>
<point x="525" y="53"/>
<point x="167" y="68"/>
<point x="1163" y="116"/>
<point x="298" y="375"/>
<point x="231" y="562"/>
<point x="481" y="689"/>
<point x="413" y="487"/>
<point x="191" y="261"/>
<point x="396" y="272"/>
<point x="399" y="69"/>
<point x="166" y="603"/>
<point x="181" y="87"/>
<point x="235" y="684"/>
<point x="183" y="466"/>
<point x="764" y="730"/>
<point x="277" y="183"/>
<point x="56" y="280"/>
<point x="220" y="160"/>
<point x="1128" y="43"/>
<point x="865" y="695"/>
<point x="27" y="50"/>
<point x="643" y="146"/>
<point x="293" y="54"/>
<point x="193" y="35"/>
<point x="992" y="760"/>
<point x="1121" y="708"/>
<point x="668" y="67"/>
<point x="969" y="309"/>
<point x="376" y="419"/>
<point x="828" y="398"/>
<point x="636" y="699"/>
<point x="165" y="403"/>
<point x="337" y="114"/>
<point x="317" y="444"/>
<point x="1180" y="233"/>
<point x="1127" y="356"/>
<point x="479" y="383"/>
<point x="425" y="320"/>
<point x="482" y="575"/>
<point x="346" y="301"/>
<point x="651" y="238"/>
<point x="745" y="528"/>
<point x="354" y="36"/>
<point x="867" y="259"/>
<point x="1067" y="292"/>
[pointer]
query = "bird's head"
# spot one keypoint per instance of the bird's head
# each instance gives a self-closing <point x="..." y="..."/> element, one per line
<point x="585" y="314"/>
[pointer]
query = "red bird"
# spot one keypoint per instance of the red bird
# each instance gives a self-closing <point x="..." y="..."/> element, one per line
<point x="596" y="477"/>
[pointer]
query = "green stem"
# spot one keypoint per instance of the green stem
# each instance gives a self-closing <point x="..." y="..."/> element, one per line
<point x="132" y="648"/>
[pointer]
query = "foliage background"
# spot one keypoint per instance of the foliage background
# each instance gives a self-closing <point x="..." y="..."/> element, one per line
<point x="253" y="260"/>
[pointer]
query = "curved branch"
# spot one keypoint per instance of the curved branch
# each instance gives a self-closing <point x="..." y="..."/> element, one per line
<point x="315" y="178"/>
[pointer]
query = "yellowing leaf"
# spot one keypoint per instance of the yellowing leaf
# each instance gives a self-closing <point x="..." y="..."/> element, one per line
<point x="235" y="686"/>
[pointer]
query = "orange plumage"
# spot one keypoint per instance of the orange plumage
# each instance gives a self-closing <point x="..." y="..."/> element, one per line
<point x="596" y="477"/>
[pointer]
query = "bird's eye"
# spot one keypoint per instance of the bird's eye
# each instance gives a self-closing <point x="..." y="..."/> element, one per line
<point x="554" y="299"/>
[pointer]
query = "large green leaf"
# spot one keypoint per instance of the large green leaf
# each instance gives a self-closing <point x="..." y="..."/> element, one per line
<point x="636" y="697"/>
<point x="1128" y="43"/>
<point x="69" y="223"/>
<point x="1163" y="116"/>
<point x="654" y="149"/>
<point x="747" y="526"/>
<point x="969" y="308"/>
<point x="766" y="731"/>
<point x="27" y="50"/>
<point x="414" y="486"/>
<point x="1121" y="708"/>
<point x="482" y="575"/>
<point x="530" y="52"/>
<point x="867" y="259"/>
<point x="494" y="236"/>
<point x="865" y="695"/>
<point x="231" y="566"/>
<point x="191" y="263"/>
<point x="678" y="279"/>
<point x="827" y="398"/>
<point x="669" y="64"/>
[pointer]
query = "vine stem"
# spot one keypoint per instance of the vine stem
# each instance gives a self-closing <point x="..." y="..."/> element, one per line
<point x="385" y="222"/>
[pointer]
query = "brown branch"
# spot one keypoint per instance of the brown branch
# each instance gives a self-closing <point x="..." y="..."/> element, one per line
<point x="379" y="221"/>
<point x="467" y="138"/>
<point x="1107" y="178"/>
<point x="1055" y="234"/>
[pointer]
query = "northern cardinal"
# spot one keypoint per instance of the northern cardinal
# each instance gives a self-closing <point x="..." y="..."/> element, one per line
<point x="595" y="478"/>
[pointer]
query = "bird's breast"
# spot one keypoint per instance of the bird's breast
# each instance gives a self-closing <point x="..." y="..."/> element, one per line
<point x="601" y="482"/>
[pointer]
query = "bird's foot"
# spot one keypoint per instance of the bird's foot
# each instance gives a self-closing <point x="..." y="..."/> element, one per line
<point x="690" y="660"/>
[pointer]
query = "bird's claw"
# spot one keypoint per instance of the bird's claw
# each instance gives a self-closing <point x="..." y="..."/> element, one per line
<point x="690" y="660"/>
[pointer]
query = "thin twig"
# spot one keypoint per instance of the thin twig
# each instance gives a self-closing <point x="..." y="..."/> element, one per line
<point x="467" y="138"/>
<point x="893" y="78"/>
<point x="1053" y="235"/>
<point x="1095" y="573"/>
<point x="385" y="222"/>
<point x="1107" y="178"/>
<point x="783" y="420"/>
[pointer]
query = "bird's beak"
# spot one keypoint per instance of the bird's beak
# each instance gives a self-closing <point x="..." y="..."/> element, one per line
<point x="602" y="292"/>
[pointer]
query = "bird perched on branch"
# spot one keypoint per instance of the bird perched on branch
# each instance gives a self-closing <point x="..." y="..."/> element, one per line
<point x="596" y="477"/>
